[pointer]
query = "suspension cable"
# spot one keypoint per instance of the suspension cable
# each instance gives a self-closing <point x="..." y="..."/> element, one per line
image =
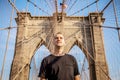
<point x="13" y="5"/>
<point x="56" y="7"/>
<point x="48" y="4"/>
<point x="102" y="43"/>
<point x="34" y="7"/>
<point x="52" y="5"/>
<point x="68" y="4"/>
<point x="93" y="59"/>
<point x="38" y="7"/>
<point x="63" y="3"/>
<point x="85" y="38"/>
<point x="84" y="8"/>
<point x="106" y="6"/>
<point x="35" y="66"/>
<point x="84" y="24"/>
<point x="7" y="28"/>
<point x="97" y="7"/>
<point x="27" y="4"/>
<point x="116" y="19"/>
<point x="8" y="37"/>
<point x="27" y="63"/>
<point x="92" y="41"/>
<point x="20" y="71"/>
<point x="83" y="65"/>
<point x="72" y="5"/>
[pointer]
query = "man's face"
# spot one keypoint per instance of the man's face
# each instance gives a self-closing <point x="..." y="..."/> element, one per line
<point x="59" y="40"/>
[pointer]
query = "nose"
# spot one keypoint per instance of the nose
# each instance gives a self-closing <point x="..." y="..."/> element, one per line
<point x="58" y="39"/>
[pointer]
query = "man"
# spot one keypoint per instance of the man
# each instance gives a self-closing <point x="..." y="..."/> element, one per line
<point x="59" y="66"/>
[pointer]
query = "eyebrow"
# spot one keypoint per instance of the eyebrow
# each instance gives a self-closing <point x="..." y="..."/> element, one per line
<point x="60" y="36"/>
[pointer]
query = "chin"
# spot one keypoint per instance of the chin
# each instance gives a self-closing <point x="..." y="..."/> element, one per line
<point x="59" y="45"/>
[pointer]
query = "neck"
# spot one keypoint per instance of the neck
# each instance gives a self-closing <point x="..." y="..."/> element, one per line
<point x="58" y="51"/>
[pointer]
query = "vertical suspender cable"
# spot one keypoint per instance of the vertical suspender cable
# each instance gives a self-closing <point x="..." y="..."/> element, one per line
<point x="34" y="63"/>
<point x="63" y="3"/>
<point x="116" y="19"/>
<point x="4" y="59"/>
<point x="118" y="29"/>
<point x="69" y="2"/>
<point x="88" y="77"/>
<point x="86" y="43"/>
<point x="35" y="8"/>
<point x="90" y="34"/>
<point x="93" y="59"/>
<point x="48" y="5"/>
<point x="56" y="7"/>
<point x="82" y="68"/>
<point x="56" y="10"/>
<point x="27" y="4"/>
<point x="51" y="3"/>
<point x="97" y="5"/>
<point x="72" y="5"/>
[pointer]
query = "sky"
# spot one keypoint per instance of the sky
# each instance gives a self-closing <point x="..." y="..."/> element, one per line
<point x="111" y="41"/>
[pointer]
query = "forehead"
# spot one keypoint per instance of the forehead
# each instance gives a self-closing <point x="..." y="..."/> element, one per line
<point x="59" y="35"/>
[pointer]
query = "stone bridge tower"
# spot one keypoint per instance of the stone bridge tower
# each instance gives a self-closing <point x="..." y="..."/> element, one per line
<point x="34" y="31"/>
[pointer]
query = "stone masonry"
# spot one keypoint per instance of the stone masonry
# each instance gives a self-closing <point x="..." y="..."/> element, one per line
<point x="34" y="31"/>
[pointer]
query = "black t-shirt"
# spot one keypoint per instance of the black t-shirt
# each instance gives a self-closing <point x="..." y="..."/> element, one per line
<point x="59" y="67"/>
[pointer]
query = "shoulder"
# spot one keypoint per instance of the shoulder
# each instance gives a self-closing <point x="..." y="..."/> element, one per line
<point x="48" y="58"/>
<point x="71" y="59"/>
<point x="70" y="56"/>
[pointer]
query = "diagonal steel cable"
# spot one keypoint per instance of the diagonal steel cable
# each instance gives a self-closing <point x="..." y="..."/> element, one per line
<point x="13" y="5"/>
<point x="84" y="8"/>
<point x="72" y="5"/>
<point x="38" y="7"/>
<point x="106" y="6"/>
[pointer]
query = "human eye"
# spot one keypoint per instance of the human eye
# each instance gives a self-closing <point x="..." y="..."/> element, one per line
<point x="61" y="37"/>
<point x="56" y="37"/>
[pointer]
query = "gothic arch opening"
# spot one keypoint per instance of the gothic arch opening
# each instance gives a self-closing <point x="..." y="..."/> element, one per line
<point x="43" y="52"/>
<point x="39" y="54"/>
<point x="82" y="62"/>
<point x="24" y="52"/>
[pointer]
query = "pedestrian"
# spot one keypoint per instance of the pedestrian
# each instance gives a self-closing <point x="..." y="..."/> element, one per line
<point x="59" y="65"/>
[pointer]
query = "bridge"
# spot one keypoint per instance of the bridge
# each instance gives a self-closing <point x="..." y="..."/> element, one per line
<point x="91" y="29"/>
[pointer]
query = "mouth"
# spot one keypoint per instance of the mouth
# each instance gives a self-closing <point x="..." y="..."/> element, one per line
<point x="59" y="42"/>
